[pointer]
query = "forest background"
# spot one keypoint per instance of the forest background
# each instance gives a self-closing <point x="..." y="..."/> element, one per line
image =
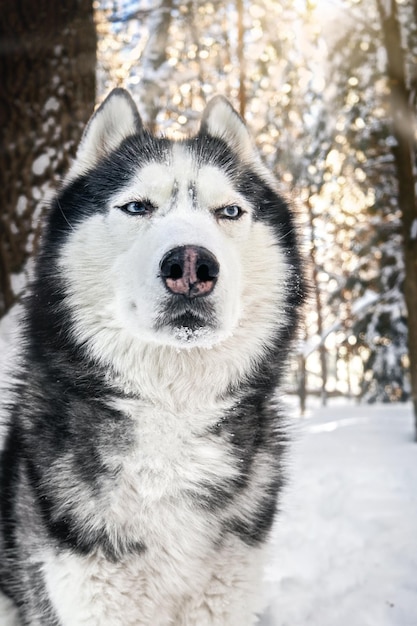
<point x="329" y="91"/>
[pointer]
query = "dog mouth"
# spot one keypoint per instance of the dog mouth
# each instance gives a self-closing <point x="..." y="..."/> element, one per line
<point x="187" y="321"/>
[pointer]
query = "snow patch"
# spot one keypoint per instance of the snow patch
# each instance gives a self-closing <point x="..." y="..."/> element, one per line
<point x="18" y="282"/>
<point x="413" y="233"/>
<point x="368" y="298"/>
<point x="40" y="165"/>
<point x="21" y="205"/>
<point x="342" y="551"/>
<point x="51" y="104"/>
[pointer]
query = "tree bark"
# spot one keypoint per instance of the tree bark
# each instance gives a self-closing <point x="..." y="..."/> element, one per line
<point x="154" y="62"/>
<point x="47" y="69"/>
<point x="241" y="57"/>
<point x="319" y="308"/>
<point x="403" y="124"/>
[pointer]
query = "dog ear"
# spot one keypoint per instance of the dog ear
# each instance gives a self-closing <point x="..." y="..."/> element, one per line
<point x="115" y="119"/>
<point x="222" y="121"/>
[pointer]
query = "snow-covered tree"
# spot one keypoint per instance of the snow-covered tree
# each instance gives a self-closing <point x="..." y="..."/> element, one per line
<point x="401" y="78"/>
<point x="314" y="86"/>
<point x="374" y="232"/>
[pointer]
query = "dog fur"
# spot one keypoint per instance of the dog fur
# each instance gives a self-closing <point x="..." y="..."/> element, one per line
<point x="143" y="457"/>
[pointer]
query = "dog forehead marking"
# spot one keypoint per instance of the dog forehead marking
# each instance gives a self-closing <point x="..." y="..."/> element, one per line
<point x="181" y="181"/>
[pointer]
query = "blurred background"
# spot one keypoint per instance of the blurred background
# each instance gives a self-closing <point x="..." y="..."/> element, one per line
<point x="328" y="89"/>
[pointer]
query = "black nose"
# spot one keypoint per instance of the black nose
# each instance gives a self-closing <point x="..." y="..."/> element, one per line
<point x="190" y="271"/>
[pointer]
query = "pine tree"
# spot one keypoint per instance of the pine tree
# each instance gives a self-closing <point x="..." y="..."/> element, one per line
<point x="375" y="241"/>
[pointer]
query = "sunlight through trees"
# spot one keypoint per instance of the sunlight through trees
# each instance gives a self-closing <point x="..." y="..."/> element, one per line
<point x="328" y="89"/>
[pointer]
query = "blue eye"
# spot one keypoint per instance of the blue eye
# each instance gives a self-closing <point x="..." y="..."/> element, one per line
<point x="230" y="212"/>
<point x="137" y="207"/>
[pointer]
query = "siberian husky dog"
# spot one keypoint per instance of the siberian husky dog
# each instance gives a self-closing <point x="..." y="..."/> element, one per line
<point x="144" y="449"/>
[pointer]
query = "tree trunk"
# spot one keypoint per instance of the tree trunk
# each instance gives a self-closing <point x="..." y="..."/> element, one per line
<point x="47" y="69"/>
<point x="154" y="63"/>
<point x="241" y="57"/>
<point x="319" y="308"/>
<point x="302" y="383"/>
<point x="404" y="155"/>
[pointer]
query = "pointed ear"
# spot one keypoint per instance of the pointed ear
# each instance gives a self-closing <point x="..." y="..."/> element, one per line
<point x="222" y="121"/>
<point x="115" y="119"/>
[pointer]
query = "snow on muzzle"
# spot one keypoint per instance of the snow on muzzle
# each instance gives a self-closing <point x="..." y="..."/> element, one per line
<point x="190" y="271"/>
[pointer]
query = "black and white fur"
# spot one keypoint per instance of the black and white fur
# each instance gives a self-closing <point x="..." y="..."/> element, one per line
<point x="143" y="456"/>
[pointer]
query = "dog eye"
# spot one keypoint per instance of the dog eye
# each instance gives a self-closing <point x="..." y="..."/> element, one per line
<point x="137" y="207"/>
<point x="231" y="212"/>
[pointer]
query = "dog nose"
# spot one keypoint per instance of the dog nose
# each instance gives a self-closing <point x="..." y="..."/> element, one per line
<point x="190" y="271"/>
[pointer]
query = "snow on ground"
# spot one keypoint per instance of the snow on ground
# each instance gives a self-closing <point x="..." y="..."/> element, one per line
<point x="345" y="545"/>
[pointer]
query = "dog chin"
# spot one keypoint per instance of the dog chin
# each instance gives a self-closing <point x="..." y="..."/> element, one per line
<point x="187" y="336"/>
<point x="190" y="333"/>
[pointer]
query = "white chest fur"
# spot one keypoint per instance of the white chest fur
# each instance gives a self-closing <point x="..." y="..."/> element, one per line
<point x="152" y="502"/>
<point x="166" y="589"/>
<point x="172" y="456"/>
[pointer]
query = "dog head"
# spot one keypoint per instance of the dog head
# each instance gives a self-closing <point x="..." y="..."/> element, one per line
<point x="181" y="243"/>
